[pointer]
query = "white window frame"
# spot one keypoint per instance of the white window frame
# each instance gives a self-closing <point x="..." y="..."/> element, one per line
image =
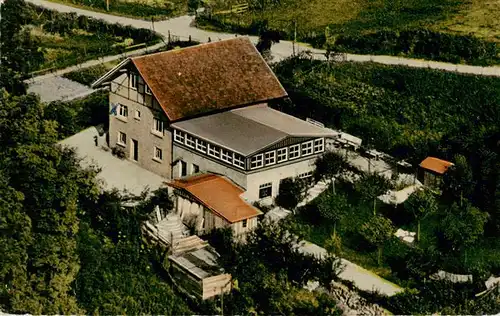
<point x="201" y="145"/>
<point x="305" y="175"/>
<point x="319" y="145"/>
<point x="244" y="223"/>
<point x="178" y="136"/>
<point x="213" y="149"/>
<point x="157" y="150"/>
<point x="226" y="155"/>
<point x="266" y="186"/>
<point x="147" y="90"/>
<point x="157" y="124"/>
<point x="281" y="154"/>
<point x="258" y="160"/>
<point x="270" y="158"/>
<point x="137" y="115"/>
<point x="292" y="150"/>
<point x="306" y="148"/>
<point x="122" y="110"/>
<point x="134" y="81"/>
<point x="122" y="140"/>
<point x="239" y="161"/>
<point x="190" y="141"/>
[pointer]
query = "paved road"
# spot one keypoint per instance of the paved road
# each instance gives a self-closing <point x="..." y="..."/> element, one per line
<point x="181" y="26"/>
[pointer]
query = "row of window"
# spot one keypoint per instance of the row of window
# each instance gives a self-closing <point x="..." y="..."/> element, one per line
<point x="157" y="151"/>
<point x="266" y="189"/>
<point x="287" y="153"/>
<point x="209" y="149"/>
<point x="157" y="124"/>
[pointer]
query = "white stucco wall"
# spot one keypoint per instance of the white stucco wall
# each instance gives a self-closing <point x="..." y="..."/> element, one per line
<point x="275" y="175"/>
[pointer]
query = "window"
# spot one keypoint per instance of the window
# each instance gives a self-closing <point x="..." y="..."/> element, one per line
<point x="158" y="126"/>
<point x="195" y="168"/>
<point x="306" y="175"/>
<point x="190" y="141"/>
<point x="265" y="190"/>
<point x="244" y="223"/>
<point x="178" y="136"/>
<point x="133" y="80"/>
<point x="226" y="156"/>
<point x="257" y="161"/>
<point x="183" y="169"/>
<point x="213" y="151"/>
<point x="307" y="148"/>
<point x="158" y="154"/>
<point x="319" y="145"/>
<point x="201" y="146"/>
<point x="123" y="110"/>
<point x="239" y="161"/>
<point x="122" y="138"/>
<point x="146" y="88"/>
<point x="137" y="114"/>
<point x="270" y="158"/>
<point x="294" y="152"/>
<point x="282" y="154"/>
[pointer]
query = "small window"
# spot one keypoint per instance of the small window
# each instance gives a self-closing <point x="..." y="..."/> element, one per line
<point x="319" y="145"/>
<point x="257" y="161"/>
<point x="226" y="156"/>
<point x="158" y="153"/>
<point x="282" y="154"/>
<point x="133" y="80"/>
<point x="294" y="152"/>
<point x="201" y="146"/>
<point x="244" y="223"/>
<point x="123" y="110"/>
<point x="305" y="175"/>
<point x="265" y="190"/>
<point x="190" y="141"/>
<point x="270" y="158"/>
<point x="213" y="151"/>
<point x="122" y="138"/>
<point x="137" y="114"/>
<point x="183" y="169"/>
<point x="307" y="148"/>
<point x="179" y="136"/>
<point x="146" y="88"/>
<point x="239" y="161"/>
<point x="158" y="125"/>
<point x="196" y="168"/>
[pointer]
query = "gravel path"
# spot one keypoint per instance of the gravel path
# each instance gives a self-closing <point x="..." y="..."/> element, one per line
<point x="58" y="88"/>
<point x="180" y="26"/>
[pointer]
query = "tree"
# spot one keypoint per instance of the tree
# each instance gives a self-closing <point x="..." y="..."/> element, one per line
<point x="329" y="165"/>
<point x="332" y="207"/>
<point x="291" y="192"/>
<point x="370" y="186"/>
<point x="458" y="182"/>
<point x="267" y="38"/>
<point x="462" y="225"/>
<point x="420" y="204"/>
<point x="376" y="232"/>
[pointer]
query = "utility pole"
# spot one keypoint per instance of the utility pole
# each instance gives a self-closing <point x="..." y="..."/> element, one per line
<point x="152" y="22"/>
<point x="294" y="36"/>
<point x="107" y="5"/>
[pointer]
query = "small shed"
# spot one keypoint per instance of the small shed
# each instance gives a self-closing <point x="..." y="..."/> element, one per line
<point x="194" y="267"/>
<point x="432" y="169"/>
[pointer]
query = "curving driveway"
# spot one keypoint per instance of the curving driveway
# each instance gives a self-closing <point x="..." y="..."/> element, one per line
<point x="181" y="26"/>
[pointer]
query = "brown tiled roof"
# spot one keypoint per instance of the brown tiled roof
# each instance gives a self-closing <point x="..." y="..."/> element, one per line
<point x="208" y="77"/>
<point x="218" y="194"/>
<point x="435" y="164"/>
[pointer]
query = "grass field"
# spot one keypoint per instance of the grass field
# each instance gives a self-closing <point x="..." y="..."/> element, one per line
<point x="144" y="9"/>
<point x="479" y="17"/>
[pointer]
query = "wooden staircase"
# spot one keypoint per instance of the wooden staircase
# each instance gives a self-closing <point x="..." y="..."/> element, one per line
<point x="188" y="244"/>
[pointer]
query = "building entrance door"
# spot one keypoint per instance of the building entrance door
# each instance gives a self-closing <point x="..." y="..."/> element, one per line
<point x="135" y="150"/>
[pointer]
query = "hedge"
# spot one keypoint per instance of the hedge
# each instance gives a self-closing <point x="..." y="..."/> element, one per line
<point x="421" y="43"/>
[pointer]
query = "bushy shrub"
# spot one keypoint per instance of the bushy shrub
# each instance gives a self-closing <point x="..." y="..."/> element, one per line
<point x="291" y="192"/>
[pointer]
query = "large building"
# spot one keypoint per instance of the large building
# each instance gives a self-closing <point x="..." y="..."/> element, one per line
<point x="205" y="109"/>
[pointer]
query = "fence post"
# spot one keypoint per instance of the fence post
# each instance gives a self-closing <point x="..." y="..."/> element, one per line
<point x="168" y="37"/>
<point x="209" y="40"/>
<point x="189" y="38"/>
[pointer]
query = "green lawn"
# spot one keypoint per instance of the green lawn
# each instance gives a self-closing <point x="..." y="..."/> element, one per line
<point x="143" y="9"/>
<point x="88" y="75"/>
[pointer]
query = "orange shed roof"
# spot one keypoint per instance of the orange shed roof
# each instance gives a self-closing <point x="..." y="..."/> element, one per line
<point x="435" y="164"/>
<point x="218" y="194"/>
